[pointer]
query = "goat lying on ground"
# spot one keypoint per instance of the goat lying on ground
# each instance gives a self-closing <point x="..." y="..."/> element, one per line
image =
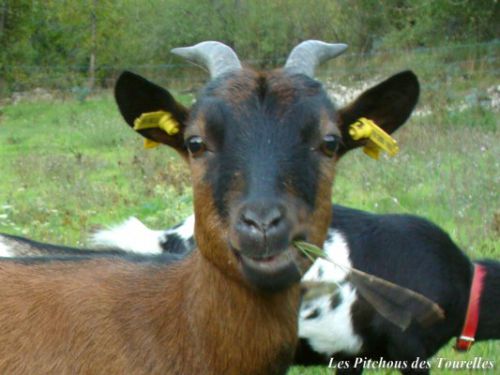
<point x="230" y="307"/>
<point x="405" y="249"/>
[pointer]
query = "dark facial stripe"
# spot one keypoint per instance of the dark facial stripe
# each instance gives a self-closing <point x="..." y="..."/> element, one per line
<point x="262" y="141"/>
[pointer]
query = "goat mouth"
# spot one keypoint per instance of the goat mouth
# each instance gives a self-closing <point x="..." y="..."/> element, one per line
<point x="276" y="260"/>
<point x="269" y="264"/>
<point x="274" y="272"/>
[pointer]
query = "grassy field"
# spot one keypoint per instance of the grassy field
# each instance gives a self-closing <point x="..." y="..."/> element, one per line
<point x="69" y="167"/>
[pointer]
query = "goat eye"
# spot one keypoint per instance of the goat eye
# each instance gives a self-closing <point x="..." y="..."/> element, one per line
<point x="195" y="145"/>
<point x="330" y="144"/>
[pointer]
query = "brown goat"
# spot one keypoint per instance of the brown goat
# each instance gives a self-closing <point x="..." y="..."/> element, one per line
<point x="261" y="149"/>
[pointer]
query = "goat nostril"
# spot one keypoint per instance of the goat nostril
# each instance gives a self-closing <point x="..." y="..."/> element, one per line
<point x="275" y="222"/>
<point x="273" y="218"/>
<point x="250" y="220"/>
<point x="262" y="220"/>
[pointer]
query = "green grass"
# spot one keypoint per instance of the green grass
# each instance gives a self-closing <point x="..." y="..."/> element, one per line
<point x="67" y="168"/>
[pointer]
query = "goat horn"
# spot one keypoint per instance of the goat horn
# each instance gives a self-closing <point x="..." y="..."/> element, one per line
<point x="215" y="56"/>
<point x="306" y="56"/>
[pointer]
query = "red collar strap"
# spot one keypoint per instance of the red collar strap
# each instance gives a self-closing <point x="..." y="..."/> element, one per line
<point x="467" y="337"/>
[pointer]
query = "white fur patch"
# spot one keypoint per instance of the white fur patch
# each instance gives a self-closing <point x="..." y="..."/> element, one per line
<point x="4" y="249"/>
<point x="185" y="231"/>
<point x="337" y="250"/>
<point x="331" y="331"/>
<point x="131" y="235"/>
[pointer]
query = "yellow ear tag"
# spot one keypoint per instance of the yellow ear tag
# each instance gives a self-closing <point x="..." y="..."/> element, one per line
<point x="160" y="119"/>
<point x="378" y="139"/>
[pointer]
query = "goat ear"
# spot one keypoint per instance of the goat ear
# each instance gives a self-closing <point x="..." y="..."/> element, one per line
<point x="136" y="96"/>
<point x="389" y="104"/>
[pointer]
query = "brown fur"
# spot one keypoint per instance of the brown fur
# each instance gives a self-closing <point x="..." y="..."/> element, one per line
<point x="281" y="85"/>
<point x="115" y="317"/>
<point x="239" y="88"/>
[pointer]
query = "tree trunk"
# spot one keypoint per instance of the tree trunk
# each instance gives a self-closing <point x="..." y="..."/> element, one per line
<point x="93" y="45"/>
<point x="3" y="16"/>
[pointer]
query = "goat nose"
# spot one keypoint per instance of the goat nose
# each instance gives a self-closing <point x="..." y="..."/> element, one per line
<point x="262" y="220"/>
<point x="263" y="229"/>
